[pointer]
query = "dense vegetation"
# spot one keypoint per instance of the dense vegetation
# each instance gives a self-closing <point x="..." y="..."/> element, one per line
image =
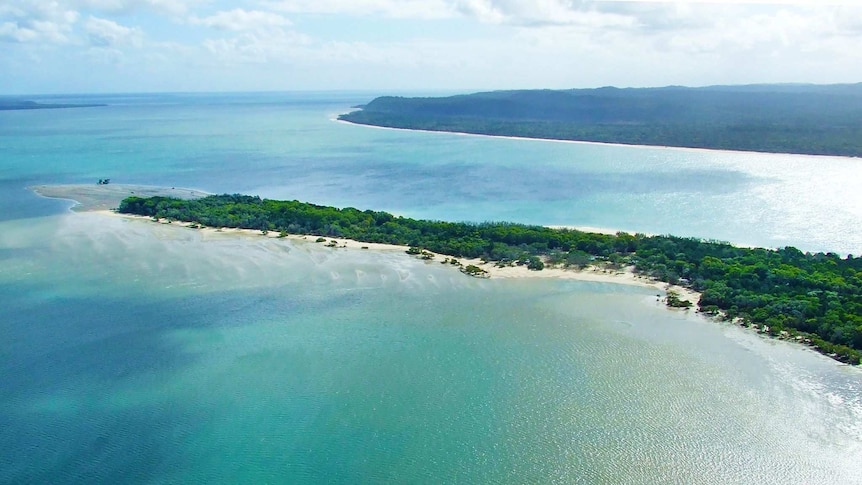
<point x="810" y="296"/>
<point x="821" y="120"/>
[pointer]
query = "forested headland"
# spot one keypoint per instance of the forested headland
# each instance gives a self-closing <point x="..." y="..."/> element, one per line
<point x="815" y="298"/>
<point x="805" y="119"/>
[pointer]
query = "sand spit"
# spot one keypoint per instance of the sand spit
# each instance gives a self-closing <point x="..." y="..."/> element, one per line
<point x="104" y="199"/>
<point x="598" y="274"/>
<point x="94" y="197"/>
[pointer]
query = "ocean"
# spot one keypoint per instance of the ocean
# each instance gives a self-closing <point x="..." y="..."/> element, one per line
<point x="133" y="352"/>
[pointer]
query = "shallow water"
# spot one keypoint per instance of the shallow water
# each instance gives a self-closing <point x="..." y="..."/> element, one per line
<point x="252" y="359"/>
<point x="287" y="146"/>
<point x="137" y="352"/>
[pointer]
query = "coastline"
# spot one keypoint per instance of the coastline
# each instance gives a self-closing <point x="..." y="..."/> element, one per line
<point x="598" y="230"/>
<point x="103" y="200"/>
<point x="591" y="273"/>
<point x="96" y="197"/>
<point x="585" y="142"/>
<point x="675" y="297"/>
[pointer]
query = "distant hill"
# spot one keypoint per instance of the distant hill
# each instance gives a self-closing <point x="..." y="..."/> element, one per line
<point x="16" y="104"/>
<point x="789" y="118"/>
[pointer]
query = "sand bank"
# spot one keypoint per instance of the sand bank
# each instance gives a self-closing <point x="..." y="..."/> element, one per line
<point x="103" y="198"/>
<point x="598" y="274"/>
<point x="94" y="197"/>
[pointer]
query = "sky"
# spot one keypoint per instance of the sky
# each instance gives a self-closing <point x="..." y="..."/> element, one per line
<point x="103" y="46"/>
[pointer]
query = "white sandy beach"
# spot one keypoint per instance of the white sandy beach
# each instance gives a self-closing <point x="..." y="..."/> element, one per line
<point x="591" y="273"/>
<point x="102" y="199"/>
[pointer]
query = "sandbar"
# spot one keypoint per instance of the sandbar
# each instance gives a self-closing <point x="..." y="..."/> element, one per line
<point x="103" y="199"/>
<point x="592" y="273"/>
<point x="94" y="197"/>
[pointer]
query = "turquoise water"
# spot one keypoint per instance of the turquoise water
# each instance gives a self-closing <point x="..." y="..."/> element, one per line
<point x="287" y="146"/>
<point x="135" y="352"/>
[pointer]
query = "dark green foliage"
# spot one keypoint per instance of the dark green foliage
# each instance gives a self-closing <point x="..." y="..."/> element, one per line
<point x="475" y="271"/>
<point x="807" y="119"/>
<point x="818" y="296"/>
<point x="535" y="264"/>
<point x="674" y="301"/>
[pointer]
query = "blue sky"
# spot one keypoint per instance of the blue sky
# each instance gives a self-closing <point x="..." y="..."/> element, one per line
<point x="79" y="46"/>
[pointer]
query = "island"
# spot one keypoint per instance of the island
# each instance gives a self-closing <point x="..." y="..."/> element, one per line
<point x="780" y="118"/>
<point x="811" y="298"/>
<point x="9" y="104"/>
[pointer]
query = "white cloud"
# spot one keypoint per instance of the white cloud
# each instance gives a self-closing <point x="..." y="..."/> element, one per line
<point x="541" y="12"/>
<point x="255" y="47"/>
<point x="810" y="3"/>
<point x="558" y="43"/>
<point x="240" y="20"/>
<point x="421" y="9"/>
<point x="36" y="22"/>
<point x="107" y="33"/>
<point x="434" y="43"/>
<point x="490" y="11"/>
<point x="169" y="7"/>
<point x="483" y="10"/>
<point x="794" y="30"/>
<point x="410" y="55"/>
<point x="692" y="27"/>
<point x="262" y="38"/>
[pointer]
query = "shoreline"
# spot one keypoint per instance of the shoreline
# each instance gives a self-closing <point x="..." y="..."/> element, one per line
<point x="592" y="273"/>
<point x="585" y="142"/>
<point x="472" y="267"/>
<point x="598" y="230"/>
<point x="103" y="199"/>
<point x="604" y="230"/>
<point x="87" y="198"/>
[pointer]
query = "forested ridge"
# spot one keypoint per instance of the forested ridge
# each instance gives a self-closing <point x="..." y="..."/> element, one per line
<point x="808" y="119"/>
<point x="785" y="292"/>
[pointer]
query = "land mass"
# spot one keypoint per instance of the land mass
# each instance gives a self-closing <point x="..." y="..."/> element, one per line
<point x="20" y="104"/>
<point x="811" y="298"/>
<point x="780" y="118"/>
